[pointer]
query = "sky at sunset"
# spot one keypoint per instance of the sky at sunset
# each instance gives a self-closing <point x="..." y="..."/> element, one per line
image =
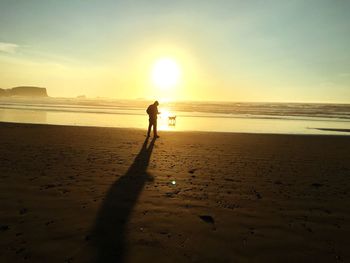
<point x="278" y="50"/>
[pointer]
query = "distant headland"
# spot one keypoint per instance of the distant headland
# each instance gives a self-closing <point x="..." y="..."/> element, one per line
<point x="24" y="91"/>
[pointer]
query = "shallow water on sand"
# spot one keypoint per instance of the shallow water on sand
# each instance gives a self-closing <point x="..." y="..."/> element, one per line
<point x="219" y="117"/>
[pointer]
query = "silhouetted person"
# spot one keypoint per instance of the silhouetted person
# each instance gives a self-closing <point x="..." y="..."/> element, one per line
<point x="153" y="112"/>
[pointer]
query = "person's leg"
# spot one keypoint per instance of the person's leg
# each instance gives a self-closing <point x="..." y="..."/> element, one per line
<point x="155" y="134"/>
<point x="149" y="128"/>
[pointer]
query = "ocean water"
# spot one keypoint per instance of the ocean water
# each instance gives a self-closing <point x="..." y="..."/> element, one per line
<point x="284" y="118"/>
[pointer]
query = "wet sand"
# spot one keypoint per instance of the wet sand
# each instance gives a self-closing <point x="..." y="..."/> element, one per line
<point x="336" y="130"/>
<point x="84" y="194"/>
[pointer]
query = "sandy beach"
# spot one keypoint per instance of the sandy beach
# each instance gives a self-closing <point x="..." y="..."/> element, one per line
<point x="84" y="194"/>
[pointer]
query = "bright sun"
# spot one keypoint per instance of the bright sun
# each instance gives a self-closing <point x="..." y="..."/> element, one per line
<point x="166" y="73"/>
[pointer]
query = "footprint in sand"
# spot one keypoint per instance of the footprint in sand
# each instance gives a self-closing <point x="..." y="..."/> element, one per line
<point x="317" y="185"/>
<point x="4" y="228"/>
<point x="257" y="194"/>
<point x="23" y="211"/>
<point x="49" y="222"/>
<point x="208" y="219"/>
<point x="191" y="171"/>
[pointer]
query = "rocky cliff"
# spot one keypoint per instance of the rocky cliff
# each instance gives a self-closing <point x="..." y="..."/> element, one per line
<point x="24" y="91"/>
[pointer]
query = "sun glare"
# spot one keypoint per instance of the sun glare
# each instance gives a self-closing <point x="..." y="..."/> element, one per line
<point x="166" y="73"/>
<point x="164" y="113"/>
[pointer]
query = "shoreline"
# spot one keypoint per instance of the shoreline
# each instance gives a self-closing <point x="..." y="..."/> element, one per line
<point x="346" y="131"/>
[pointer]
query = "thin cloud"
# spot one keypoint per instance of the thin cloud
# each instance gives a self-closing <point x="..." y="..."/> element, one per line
<point x="8" y="47"/>
<point x="344" y="74"/>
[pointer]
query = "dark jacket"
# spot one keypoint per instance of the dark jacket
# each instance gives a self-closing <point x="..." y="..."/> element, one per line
<point x="152" y="112"/>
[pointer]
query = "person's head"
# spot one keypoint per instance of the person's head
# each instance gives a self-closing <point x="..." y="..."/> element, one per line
<point x="156" y="103"/>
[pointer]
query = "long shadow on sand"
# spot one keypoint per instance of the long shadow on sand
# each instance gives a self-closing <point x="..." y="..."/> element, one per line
<point x="109" y="233"/>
